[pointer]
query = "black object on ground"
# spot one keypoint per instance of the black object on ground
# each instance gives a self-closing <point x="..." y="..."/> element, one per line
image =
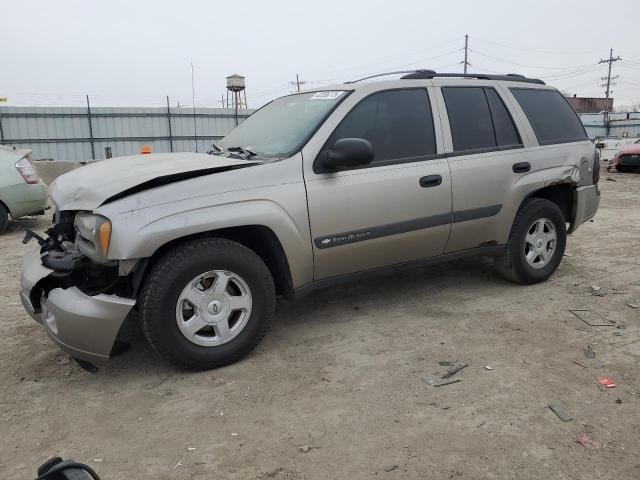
<point x="88" y="366"/>
<point x="58" y="469"/>
<point x="442" y="384"/>
<point x="560" y="412"/>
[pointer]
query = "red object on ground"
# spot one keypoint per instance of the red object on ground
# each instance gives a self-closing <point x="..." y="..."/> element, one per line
<point x="606" y="381"/>
<point x="586" y="441"/>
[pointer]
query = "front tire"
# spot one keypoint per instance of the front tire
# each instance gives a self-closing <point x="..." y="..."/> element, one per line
<point x="536" y="243"/>
<point x="207" y="303"/>
<point x="4" y="218"/>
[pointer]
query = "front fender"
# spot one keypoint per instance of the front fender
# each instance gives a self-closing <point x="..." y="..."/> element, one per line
<point x="140" y="233"/>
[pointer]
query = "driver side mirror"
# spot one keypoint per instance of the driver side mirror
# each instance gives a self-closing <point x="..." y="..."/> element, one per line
<point x="348" y="152"/>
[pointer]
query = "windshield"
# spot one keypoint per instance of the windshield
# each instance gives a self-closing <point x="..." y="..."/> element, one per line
<point x="281" y="127"/>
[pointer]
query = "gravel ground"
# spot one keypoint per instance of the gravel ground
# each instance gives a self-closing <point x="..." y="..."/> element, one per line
<point x="337" y="389"/>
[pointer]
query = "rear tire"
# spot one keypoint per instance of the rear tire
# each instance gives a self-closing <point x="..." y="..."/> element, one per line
<point x="536" y="244"/>
<point x="623" y="168"/>
<point x="4" y="218"/>
<point x="207" y="303"/>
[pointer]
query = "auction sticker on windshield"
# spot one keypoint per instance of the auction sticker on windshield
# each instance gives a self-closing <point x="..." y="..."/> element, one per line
<point x="329" y="95"/>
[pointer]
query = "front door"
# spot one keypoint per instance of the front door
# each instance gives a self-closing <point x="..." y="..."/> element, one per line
<point x="395" y="210"/>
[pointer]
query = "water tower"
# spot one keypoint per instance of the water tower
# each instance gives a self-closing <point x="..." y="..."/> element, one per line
<point x="235" y="86"/>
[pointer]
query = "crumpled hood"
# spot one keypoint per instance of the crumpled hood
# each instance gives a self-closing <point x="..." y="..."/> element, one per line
<point x="88" y="187"/>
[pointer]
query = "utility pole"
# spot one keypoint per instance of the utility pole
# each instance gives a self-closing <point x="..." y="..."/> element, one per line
<point x="193" y="100"/>
<point x="466" y="53"/>
<point x="297" y="83"/>
<point x="609" y="78"/>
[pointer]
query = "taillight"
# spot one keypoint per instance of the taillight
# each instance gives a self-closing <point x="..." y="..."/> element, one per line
<point x="596" y="168"/>
<point x="27" y="171"/>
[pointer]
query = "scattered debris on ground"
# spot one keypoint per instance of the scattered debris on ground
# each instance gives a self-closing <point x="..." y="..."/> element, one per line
<point x="606" y="382"/>
<point x="587" y="441"/>
<point x="451" y="371"/>
<point x="591" y="317"/>
<point x="589" y="352"/>
<point x="374" y="360"/>
<point x="448" y="382"/>
<point x="560" y="412"/>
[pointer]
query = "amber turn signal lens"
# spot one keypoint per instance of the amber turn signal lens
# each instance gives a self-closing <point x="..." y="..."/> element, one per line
<point x="105" y="237"/>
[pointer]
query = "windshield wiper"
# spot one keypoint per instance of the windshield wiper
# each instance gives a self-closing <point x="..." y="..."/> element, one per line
<point x="243" y="151"/>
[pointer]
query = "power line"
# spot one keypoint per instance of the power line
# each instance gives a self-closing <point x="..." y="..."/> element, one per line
<point x="513" y="47"/>
<point x="396" y="67"/>
<point x="359" y="67"/>
<point x="525" y="65"/>
<point x="570" y="74"/>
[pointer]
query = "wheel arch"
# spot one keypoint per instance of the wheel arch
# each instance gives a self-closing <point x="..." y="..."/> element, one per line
<point x="258" y="238"/>
<point x="562" y="194"/>
<point x="5" y="205"/>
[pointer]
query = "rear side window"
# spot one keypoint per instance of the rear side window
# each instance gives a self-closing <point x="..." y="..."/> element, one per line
<point x="550" y="115"/>
<point x="398" y="123"/>
<point x="506" y="133"/>
<point x="479" y="120"/>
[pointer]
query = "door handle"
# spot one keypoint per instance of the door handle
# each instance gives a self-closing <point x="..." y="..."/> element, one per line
<point x="430" y="181"/>
<point x="521" y="167"/>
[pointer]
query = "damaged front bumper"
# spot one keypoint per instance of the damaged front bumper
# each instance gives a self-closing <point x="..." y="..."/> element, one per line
<point x="84" y="326"/>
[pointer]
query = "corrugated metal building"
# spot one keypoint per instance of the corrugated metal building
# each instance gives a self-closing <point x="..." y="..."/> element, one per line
<point x="614" y="124"/>
<point x="79" y="134"/>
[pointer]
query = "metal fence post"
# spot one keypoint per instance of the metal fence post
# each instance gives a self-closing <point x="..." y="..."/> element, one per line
<point x="93" y="151"/>
<point x="169" y="122"/>
<point x="1" y="131"/>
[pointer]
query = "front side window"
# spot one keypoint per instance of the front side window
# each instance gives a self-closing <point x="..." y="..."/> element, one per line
<point x="280" y="128"/>
<point x="479" y="119"/>
<point x="397" y="123"/>
<point x="551" y="116"/>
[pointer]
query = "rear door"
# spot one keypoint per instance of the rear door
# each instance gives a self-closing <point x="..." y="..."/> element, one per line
<point x="395" y="210"/>
<point x="484" y="146"/>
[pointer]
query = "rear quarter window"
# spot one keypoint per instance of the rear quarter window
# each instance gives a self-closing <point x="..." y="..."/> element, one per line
<point x="551" y="116"/>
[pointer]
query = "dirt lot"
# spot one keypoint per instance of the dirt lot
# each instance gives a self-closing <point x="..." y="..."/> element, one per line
<point x="337" y="389"/>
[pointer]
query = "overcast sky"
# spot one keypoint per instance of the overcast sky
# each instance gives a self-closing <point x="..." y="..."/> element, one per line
<point x="137" y="52"/>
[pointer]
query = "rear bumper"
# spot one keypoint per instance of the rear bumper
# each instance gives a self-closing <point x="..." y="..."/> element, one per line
<point x="29" y="200"/>
<point x="586" y="206"/>
<point x="84" y="326"/>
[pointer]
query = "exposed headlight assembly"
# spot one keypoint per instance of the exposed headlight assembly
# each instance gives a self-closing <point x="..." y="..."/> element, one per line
<point x="93" y="234"/>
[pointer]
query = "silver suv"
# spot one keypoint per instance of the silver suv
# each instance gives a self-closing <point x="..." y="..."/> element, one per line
<point x="313" y="189"/>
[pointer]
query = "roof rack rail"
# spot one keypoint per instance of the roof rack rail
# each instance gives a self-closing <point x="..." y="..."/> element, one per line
<point x="430" y="74"/>
<point x="391" y="73"/>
